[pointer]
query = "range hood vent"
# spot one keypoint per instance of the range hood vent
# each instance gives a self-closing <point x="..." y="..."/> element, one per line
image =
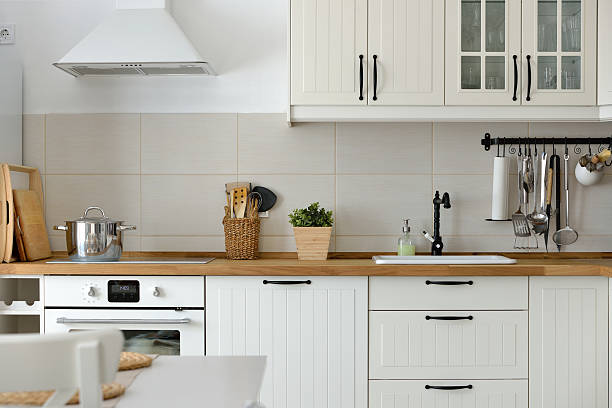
<point x="140" y="38"/>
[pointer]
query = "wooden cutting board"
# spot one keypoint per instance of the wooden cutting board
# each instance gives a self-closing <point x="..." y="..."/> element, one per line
<point x="31" y="224"/>
<point x="10" y="212"/>
<point x="35" y="184"/>
<point x="3" y="216"/>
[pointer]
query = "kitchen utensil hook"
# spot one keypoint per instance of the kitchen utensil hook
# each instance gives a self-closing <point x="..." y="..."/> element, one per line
<point x="498" y="150"/>
<point x="566" y="151"/>
<point x="529" y="144"/>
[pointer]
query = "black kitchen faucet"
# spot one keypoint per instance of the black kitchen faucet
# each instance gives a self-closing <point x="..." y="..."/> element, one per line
<point x="436" y="240"/>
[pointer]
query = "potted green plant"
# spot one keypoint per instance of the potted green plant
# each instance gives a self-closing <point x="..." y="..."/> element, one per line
<point x="312" y="228"/>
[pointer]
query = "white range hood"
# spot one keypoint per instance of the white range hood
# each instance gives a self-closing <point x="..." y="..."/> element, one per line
<point x="139" y="38"/>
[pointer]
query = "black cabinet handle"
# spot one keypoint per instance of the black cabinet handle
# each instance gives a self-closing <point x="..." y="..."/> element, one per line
<point x="268" y="282"/>
<point x="449" y="317"/>
<point x="514" y="57"/>
<point x="449" y="387"/>
<point x="528" y="78"/>
<point x="361" y="77"/>
<point x="375" y="77"/>
<point x="449" y="283"/>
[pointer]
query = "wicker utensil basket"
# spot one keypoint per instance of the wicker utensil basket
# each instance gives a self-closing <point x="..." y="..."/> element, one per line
<point x="241" y="237"/>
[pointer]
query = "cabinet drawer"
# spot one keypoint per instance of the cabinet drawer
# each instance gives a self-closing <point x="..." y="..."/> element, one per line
<point x="483" y="393"/>
<point x="463" y="345"/>
<point x="448" y="293"/>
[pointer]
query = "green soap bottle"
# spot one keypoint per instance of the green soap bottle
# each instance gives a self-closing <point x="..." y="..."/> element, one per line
<point x="405" y="247"/>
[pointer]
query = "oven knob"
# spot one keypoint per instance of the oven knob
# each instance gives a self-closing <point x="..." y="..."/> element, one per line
<point x="92" y="291"/>
<point x="156" y="292"/>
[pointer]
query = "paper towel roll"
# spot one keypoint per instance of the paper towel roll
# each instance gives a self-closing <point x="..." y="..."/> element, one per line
<point x="499" y="200"/>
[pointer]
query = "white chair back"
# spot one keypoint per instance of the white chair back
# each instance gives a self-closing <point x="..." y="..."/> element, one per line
<point x="63" y="362"/>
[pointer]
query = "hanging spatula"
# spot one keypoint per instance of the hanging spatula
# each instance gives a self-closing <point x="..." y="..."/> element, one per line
<point x="239" y="201"/>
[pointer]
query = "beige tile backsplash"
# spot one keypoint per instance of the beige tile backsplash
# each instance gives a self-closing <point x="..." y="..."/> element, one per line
<point x="384" y="148"/>
<point x="92" y="144"/>
<point x="189" y="144"/>
<point x="166" y="174"/>
<point x="266" y="145"/>
<point x="183" y="205"/>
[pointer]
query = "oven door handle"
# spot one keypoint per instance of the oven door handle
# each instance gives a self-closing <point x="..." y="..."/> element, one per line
<point x="65" y="320"/>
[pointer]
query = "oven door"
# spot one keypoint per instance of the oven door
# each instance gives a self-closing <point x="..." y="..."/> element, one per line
<point x="167" y="331"/>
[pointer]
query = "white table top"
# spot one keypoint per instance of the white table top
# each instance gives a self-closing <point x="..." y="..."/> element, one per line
<point x="173" y="381"/>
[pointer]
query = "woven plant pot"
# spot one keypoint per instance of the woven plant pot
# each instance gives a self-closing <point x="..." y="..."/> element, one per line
<point x="312" y="242"/>
<point x="241" y="238"/>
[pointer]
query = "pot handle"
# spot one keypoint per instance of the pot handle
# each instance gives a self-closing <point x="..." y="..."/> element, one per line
<point x="126" y="227"/>
<point x="88" y="209"/>
<point x="60" y="228"/>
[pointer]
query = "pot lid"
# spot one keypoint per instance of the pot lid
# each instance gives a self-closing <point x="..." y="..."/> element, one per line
<point x="91" y="218"/>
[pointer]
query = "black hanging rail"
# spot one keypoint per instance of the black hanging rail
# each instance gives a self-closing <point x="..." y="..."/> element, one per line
<point x="602" y="142"/>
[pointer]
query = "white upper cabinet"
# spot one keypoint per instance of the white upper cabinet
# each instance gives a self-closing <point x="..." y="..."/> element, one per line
<point x="560" y="49"/>
<point x="483" y="52"/>
<point x="358" y="52"/>
<point x="328" y="52"/>
<point x="436" y="59"/>
<point x="604" y="54"/>
<point x="541" y="53"/>
<point x="405" y="46"/>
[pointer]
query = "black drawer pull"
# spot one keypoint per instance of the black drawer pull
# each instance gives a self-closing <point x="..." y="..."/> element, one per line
<point x="374" y="98"/>
<point x="515" y="77"/>
<point x="449" y="283"/>
<point x="361" y="77"/>
<point x="269" y="282"/>
<point x="449" y="317"/>
<point x="449" y="387"/>
<point x="528" y="78"/>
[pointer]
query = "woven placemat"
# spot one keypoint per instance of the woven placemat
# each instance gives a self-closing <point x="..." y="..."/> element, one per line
<point x="131" y="361"/>
<point x="38" y="398"/>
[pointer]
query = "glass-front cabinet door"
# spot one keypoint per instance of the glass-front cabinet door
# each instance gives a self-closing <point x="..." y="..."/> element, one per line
<point x="559" y="52"/>
<point x="483" y="54"/>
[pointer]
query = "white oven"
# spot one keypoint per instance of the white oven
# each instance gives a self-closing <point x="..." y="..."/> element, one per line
<point x="157" y="314"/>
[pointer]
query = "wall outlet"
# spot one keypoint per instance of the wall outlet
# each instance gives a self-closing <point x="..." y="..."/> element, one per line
<point x="7" y="33"/>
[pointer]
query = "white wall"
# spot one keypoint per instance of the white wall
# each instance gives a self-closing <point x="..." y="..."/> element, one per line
<point x="245" y="41"/>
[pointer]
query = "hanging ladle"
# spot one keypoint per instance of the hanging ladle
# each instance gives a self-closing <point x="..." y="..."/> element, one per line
<point x="566" y="235"/>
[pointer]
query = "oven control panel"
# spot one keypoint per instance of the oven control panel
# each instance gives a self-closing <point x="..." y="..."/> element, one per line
<point x="122" y="291"/>
<point x="90" y="292"/>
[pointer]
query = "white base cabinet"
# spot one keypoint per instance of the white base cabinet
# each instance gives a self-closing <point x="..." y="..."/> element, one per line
<point x="415" y="345"/>
<point x="568" y="342"/>
<point x="314" y="331"/>
<point x="448" y="394"/>
<point x="314" y="335"/>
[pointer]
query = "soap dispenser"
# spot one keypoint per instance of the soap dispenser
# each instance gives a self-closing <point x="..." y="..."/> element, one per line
<point x="405" y="247"/>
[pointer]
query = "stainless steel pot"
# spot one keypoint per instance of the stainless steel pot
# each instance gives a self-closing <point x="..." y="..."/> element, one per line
<point x="92" y="238"/>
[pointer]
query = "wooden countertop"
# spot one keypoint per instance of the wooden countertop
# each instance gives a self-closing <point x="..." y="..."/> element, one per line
<point x="341" y="267"/>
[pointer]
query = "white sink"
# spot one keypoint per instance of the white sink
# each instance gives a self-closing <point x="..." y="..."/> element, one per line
<point x="443" y="260"/>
